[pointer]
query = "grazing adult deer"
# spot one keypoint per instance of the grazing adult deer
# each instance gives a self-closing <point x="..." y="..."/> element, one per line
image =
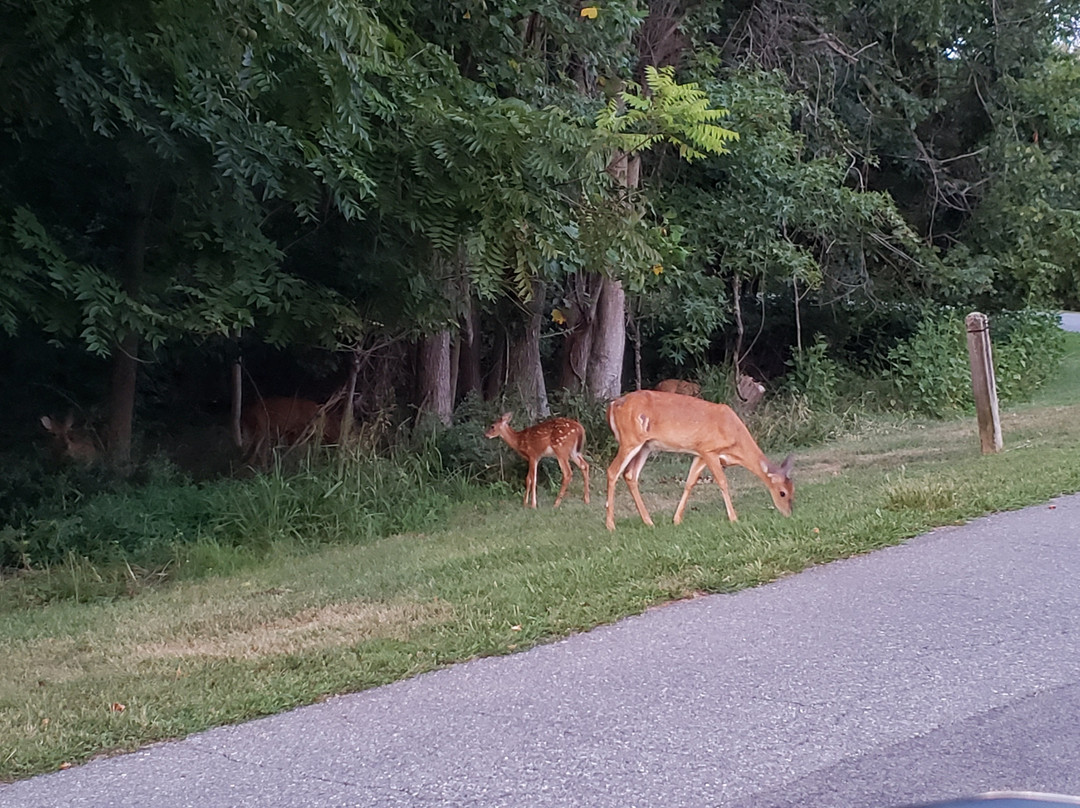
<point x="649" y="420"/>
<point x="561" y="438"/>
<point x="69" y="443"/>
<point x="281" y="420"/>
<point x="681" y="387"/>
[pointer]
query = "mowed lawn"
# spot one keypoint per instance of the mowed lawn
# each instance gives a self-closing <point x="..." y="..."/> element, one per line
<point x="83" y="679"/>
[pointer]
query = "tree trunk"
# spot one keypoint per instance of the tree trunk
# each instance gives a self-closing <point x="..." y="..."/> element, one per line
<point x="740" y="330"/>
<point x="435" y="394"/>
<point x="470" y="377"/>
<point x="609" y="327"/>
<point x="798" y="315"/>
<point x="526" y="374"/>
<point x="122" y="385"/>
<point x="237" y="398"/>
<point x="350" y="396"/>
<point x="609" y="342"/>
<point x="495" y="379"/>
<point x="125" y="357"/>
<point x="577" y="344"/>
<point x="635" y="338"/>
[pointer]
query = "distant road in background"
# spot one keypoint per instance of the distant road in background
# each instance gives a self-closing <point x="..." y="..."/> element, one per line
<point x="1070" y="320"/>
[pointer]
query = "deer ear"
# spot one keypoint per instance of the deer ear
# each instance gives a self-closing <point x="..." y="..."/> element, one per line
<point x="785" y="467"/>
<point x="46" y="422"/>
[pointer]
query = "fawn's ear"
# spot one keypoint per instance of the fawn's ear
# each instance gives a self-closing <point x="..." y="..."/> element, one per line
<point x="47" y="422"/>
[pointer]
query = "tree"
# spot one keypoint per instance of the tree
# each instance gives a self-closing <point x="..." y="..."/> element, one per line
<point x="1024" y="238"/>
<point x="188" y="117"/>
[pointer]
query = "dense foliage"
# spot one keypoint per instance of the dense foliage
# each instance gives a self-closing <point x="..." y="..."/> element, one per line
<point x="465" y="201"/>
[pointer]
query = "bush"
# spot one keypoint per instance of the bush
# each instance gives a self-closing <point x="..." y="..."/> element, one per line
<point x="815" y="376"/>
<point x="1027" y="348"/>
<point x="788" y="421"/>
<point x="718" y="383"/>
<point x="123" y="522"/>
<point x="931" y="371"/>
<point x="599" y="442"/>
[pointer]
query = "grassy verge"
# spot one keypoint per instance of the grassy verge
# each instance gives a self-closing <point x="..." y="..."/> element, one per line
<point x="82" y="679"/>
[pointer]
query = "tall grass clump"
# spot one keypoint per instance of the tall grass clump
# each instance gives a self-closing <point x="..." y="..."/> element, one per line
<point x="356" y="501"/>
<point x="86" y="514"/>
<point x="113" y="539"/>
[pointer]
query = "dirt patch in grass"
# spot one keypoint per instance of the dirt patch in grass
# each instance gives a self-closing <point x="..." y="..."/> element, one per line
<point x="324" y="627"/>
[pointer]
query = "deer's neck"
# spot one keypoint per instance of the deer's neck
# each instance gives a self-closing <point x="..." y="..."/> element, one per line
<point x="513" y="439"/>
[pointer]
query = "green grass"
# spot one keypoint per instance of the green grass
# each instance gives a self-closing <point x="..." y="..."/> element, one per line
<point x="87" y="678"/>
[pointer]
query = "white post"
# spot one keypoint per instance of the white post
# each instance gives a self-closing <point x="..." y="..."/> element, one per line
<point x="983" y="384"/>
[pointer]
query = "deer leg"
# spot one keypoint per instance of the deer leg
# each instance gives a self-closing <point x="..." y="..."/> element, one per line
<point x="622" y="459"/>
<point x="696" y="468"/>
<point x="567" y="474"/>
<point x="633" y="471"/>
<point x="717" y="469"/>
<point x="584" y="466"/>
<point x="530" y="485"/>
<point x="261" y="453"/>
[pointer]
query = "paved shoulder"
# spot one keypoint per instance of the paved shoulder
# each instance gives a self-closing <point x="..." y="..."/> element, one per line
<point x="944" y="666"/>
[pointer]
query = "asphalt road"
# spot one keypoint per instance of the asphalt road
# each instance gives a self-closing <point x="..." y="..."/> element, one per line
<point x="1070" y="320"/>
<point x="947" y="666"/>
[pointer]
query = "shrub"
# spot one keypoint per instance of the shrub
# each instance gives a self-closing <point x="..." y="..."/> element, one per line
<point x="1027" y="348"/>
<point x="931" y="371"/>
<point x="718" y="383"/>
<point x="815" y="376"/>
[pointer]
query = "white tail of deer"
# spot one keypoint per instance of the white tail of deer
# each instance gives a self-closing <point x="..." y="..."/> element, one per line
<point x="69" y="443"/>
<point x="561" y="438"/>
<point x="277" y="421"/>
<point x="648" y="421"/>
<point x="681" y="387"/>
